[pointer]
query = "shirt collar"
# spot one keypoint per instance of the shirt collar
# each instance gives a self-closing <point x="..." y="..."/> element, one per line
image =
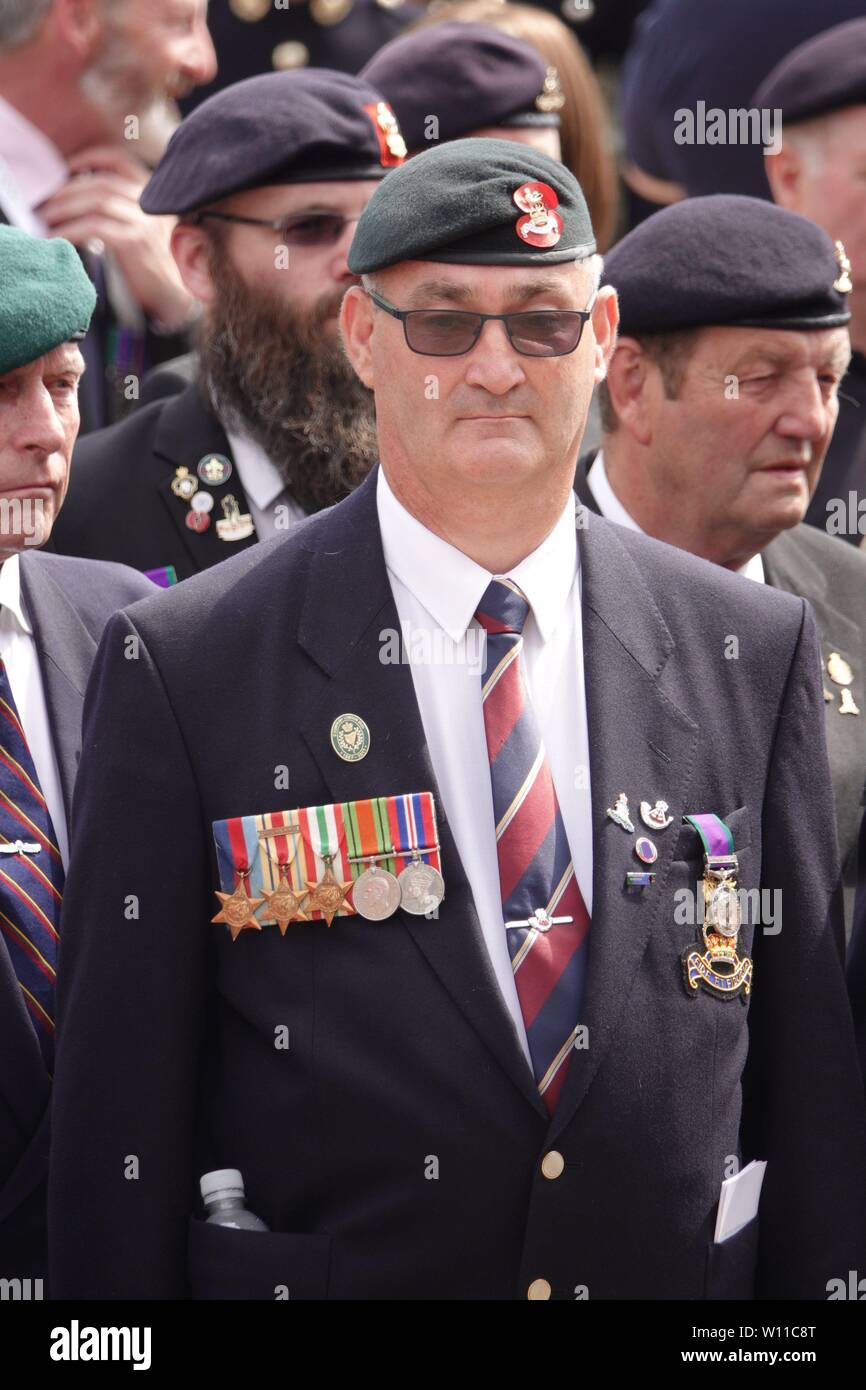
<point x="33" y="163"/>
<point x="612" y="510"/>
<point x="11" y="600"/>
<point x="450" y="585"/>
<point x="262" y="480"/>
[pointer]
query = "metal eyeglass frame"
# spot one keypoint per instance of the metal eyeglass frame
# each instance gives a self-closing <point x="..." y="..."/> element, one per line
<point x="403" y="314"/>
<point x="279" y="224"/>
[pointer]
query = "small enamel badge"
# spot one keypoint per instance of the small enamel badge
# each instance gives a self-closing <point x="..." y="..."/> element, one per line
<point x="183" y="484"/>
<point x="542" y="225"/>
<point x="214" y="469"/>
<point x="619" y="813"/>
<point x="645" y="850"/>
<point x="656" y="817"/>
<point x="844" y="284"/>
<point x="392" y="146"/>
<point x="350" y="738"/>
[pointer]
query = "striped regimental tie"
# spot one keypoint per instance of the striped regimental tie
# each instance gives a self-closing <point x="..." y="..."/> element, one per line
<point x="31" y="880"/>
<point x="536" y="875"/>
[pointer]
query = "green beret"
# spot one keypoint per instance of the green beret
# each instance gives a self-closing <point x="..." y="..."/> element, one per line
<point x="46" y="297"/>
<point x="474" y="202"/>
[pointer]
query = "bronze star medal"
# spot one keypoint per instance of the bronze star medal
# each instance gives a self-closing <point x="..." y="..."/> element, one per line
<point x="284" y="904"/>
<point x="328" y="895"/>
<point x="238" y="910"/>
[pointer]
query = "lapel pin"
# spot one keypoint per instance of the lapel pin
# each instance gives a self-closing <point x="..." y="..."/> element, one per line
<point x="635" y="879"/>
<point x="235" y="525"/>
<point x="214" y="469"/>
<point x="183" y="484"/>
<point x="645" y="850"/>
<point x="350" y="738"/>
<point x="656" y="817"/>
<point x="846" y="704"/>
<point x="619" y="813"/>
<point x="838" y="669"/>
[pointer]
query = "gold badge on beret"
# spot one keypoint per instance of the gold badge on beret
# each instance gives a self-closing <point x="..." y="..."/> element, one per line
<point x="542" y="225"/>
<point x="843" y="284"/>
<point x="551" y="97"/>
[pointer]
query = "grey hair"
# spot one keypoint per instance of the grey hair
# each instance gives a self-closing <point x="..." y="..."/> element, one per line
<point x="20" y="20"/>
<point x="594" y="264"/>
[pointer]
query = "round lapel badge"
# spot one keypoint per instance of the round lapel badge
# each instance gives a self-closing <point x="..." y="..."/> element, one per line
<point x="197" y="521"/>
<point x="350" y="738"/>
<point x="214" y="469"/>
<point x="542" y="225"/>
<point x="645" y="850"/>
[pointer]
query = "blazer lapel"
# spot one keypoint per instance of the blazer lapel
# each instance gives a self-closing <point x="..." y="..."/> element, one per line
<point x="640" y="743"/>
<point x="65" y="652"/>
<point x="343" y="638"/>
<point x="188" y="431"/>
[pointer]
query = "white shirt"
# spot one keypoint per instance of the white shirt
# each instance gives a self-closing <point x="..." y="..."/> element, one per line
<point x="612" y="510"/>
<point x="436" y="590"/>
<point x="31" y="170"/>
<point x="18" y="653"/>
<point x="264" y="487"/>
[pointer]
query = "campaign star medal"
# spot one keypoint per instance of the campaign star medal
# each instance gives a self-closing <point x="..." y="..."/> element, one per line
<point x="542" y="225"/>
<point x="619" y="813"/>
<point x="238" y="910"/>
<point x="329" y="894"/>
<point x="284" y="904"/>
<point x="350" y="738"/>
<point x="843" y="284"/>
<point x="720" y="970"/>
<point x="184" y="484"/>
<point x="235" y="525"/>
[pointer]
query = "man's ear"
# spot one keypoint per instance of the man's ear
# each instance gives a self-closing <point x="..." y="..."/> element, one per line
<point x="630" y="387"/>
<point x="80" y="26"/>
<point x="605" y="321"/>
<point x="191" y="250"/>
<point x="356" y="330"/>
<point x="785" y="176"/>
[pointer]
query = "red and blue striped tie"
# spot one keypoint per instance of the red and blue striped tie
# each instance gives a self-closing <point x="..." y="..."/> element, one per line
<point x="536" y="875"/>
<point x="31" y="884"/>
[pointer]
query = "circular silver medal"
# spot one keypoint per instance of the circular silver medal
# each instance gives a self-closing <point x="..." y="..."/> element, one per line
<point x="422" y="888"/>
<point x="376" y="894"/>
<point x="723" y="910"/>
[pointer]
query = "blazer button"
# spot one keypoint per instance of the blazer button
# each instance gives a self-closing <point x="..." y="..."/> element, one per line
<point x="538" y="1290"/>
<point x="552" y="1164"/>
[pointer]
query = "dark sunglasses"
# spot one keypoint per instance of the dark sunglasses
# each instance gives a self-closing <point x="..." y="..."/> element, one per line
<point x="453" y="332"/>
<point x="298" y="229"/>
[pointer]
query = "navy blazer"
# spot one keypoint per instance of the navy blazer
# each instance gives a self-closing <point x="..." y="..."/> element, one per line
<point x="68" y="603"/>
<point x="402" y="1050"/>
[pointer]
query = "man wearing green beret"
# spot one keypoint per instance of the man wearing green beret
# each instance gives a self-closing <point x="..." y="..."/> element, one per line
<point x="488" y="1003"/>
<point x="52" y="613"/>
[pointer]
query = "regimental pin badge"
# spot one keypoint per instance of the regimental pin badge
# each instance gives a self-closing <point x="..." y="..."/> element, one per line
<point x="350" y="738"/>
<point x="235" y="525"/>
<point x="838" y="669"/>
<point x="551" y="97"/>
<point x="645" y="850"/>
<point x="619" y="813"/>
<point x="655" y="817"/>
<point x="542" y="225"/>
<point x="844" y="284"/>
<point x="214" y="469"/>
<point x="720" y="970"/>
<point x="392" y="146"/>
<point x="846" y="703"/>
<point x="184" y="484"/>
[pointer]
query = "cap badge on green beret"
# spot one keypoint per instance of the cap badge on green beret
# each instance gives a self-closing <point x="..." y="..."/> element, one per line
<point x="844" y="284"/>
<point x="391" y="142"/>
<point x="541" y="226"/>
<point x="551" y="97"/>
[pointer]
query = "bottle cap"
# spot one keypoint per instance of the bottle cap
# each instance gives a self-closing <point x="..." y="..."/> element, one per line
<point x="222" y="1182"/>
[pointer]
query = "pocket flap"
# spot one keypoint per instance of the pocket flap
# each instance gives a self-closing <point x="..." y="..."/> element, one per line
<point x="268" y="1265"/>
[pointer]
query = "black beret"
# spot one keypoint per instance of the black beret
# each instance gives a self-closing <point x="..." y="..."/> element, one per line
<point x="467" y="76"/>
<point x="822" y="75"/>
<point x="468" y="202"/>
<point x="46" y="297"/>
<point x="284" y="127"/>
<point x="726" y="259"/>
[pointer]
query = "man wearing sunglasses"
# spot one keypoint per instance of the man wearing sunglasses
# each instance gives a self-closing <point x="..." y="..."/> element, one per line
<point x="268" y="179"/>
<point x="514" y="1090"/>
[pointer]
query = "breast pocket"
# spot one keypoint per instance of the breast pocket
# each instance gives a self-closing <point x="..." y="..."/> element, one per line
<point x="265" y="1265"/>
<point x="732" y="1264"/>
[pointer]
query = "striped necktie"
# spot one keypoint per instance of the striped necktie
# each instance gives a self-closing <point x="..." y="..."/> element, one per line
<point x="536" y="875"/>
<point x="31" y="884"/>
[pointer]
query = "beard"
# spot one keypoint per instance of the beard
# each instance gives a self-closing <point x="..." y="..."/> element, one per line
<point x="274" y="373"/>
<point x="116" y="85"/>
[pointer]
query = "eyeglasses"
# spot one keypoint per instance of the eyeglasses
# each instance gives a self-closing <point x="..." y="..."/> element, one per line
<point x="453" y="332"/>
<point x="299" y="229"/>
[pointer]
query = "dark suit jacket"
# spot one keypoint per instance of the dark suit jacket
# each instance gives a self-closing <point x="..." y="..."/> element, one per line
<point x="812" y="565"/>
<point x="68" y="603"/>
<point x="120" y="505"/>
<point x="401" y="1047"/>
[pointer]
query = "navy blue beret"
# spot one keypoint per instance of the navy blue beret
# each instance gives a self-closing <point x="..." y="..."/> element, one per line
<point x="466" y="75"/>
<point x="822" y="75"/>
<point x="283" y="127"/>
<point x="474" y="202"/>
<point x="726" y="259"/>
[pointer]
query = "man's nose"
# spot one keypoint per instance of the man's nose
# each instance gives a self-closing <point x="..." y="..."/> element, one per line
<point x="199" y="60"/>
<point x="493" y="363"/>
<point x="806" y="414"/>
<point x="37" y="428"/>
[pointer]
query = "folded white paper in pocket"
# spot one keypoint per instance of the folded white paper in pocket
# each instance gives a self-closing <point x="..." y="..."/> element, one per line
<point x="738" y="1200"/>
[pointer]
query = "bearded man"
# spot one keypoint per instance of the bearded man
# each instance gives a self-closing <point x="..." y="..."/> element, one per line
<point x="88" y="103"/>
<point x="268" y="179"/>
